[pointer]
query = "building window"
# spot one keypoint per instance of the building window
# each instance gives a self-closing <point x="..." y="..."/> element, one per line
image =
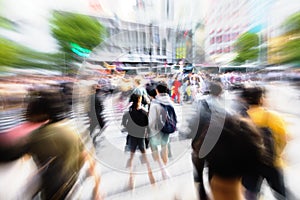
<point x="234" y="35"/>
<point x="219" y="39"/>
<point x="226" y="49"/>
<point x="164" y="47"/>
<point x="225" y="38"/>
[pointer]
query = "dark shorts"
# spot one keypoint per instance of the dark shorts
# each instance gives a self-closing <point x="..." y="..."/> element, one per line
<point x="135" y="143"/>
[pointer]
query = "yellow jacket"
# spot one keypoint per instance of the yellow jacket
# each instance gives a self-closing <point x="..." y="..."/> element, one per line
<point x="266" y="118"/>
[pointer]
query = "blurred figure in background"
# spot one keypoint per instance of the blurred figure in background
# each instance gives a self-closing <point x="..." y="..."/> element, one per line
<point x="274" y="132"/>
<point x="139" y="89"/>
<point x="95" y="112"/>
<point x="55" y="147"/>
<point x="151" y="90"/>
<point x="126" y="87"/>
<point x="136" y="123"/>
<point x="176" y="94"/>
<point x="67" y="90"/>
<point x="230" y="146"/>
<point x="198" y="123"/>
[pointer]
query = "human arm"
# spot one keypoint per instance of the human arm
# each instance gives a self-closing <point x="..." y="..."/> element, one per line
<point x="152" y="117"/>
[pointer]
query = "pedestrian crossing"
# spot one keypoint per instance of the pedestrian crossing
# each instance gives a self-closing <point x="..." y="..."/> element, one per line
<point x="113" y="159"/>
<point x="10" y="119"/>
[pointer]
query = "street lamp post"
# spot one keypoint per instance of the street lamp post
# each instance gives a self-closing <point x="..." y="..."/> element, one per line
<point x="150" y="44"/>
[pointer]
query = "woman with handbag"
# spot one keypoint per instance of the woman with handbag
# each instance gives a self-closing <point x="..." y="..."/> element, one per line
<point x="136" y="123"/>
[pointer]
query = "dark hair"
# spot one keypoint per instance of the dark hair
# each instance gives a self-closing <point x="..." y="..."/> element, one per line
<point x="134" y="98"/>
<point x="150" y="88"/>
<point x="46" y="105"/>
<point x="162" y="87"/>
<point x="215" y="88"/>
<point x="252" y="95"/>
<point x="239" y="149"/>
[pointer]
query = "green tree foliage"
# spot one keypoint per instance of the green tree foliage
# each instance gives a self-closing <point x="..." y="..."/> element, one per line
<point x="67" y="28"/>
<point x="71" y="28"/>
<point x="290" y="49"/>
<point x="9" y="52"/>
<point x="5" y="23"/>
<point x="13" y="54"/>
<point x="292" y="24"/>
<point x="246" y="48"/>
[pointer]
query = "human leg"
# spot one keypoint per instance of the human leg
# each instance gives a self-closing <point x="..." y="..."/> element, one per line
<point x="131" y="177"/>
<point x="275" y="179"/>
<point x="178" y="97"/>
<point x="127" y="147"/>
<point x="164" y="147"/>
<point x="155" y="141"/>
<point x="150" y="174"/>
<point x="198" y="175"/>
<point x="132" y="143"/>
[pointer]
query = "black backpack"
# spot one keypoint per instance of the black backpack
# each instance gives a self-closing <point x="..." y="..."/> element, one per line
<point x="269" y="144"/>
<point x="168" y="119"/>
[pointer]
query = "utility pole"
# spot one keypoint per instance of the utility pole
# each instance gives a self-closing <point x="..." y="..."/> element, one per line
<point x="150" y="44"/>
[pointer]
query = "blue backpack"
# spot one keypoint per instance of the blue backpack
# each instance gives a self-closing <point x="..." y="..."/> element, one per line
<point x="168" y="119"/>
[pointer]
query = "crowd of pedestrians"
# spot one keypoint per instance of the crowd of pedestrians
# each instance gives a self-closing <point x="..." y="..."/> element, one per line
<point x="233" y="145"/>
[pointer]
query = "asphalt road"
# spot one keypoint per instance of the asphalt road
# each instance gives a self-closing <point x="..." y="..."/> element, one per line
<point x="112" y="159"/>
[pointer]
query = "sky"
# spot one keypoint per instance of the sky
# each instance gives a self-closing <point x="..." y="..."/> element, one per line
<point x="33" y="16"/>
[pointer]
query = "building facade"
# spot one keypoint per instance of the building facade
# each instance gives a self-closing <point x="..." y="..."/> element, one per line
<point x="227" y="19"/>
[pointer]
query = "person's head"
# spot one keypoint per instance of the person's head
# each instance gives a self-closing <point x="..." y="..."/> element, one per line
<point x="253" y="95"/>
<point x="136" y="100"/>
<point x="151" y="90"/>
<point x="162" y="87"/>
<point x="46" y="105"/>
<point x="95" y="87"/>
<point x="215" y="88"/>
<point x="137" y="81"/>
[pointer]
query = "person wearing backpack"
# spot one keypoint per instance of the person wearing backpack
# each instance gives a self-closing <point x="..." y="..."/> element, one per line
<point x="274" y="133"/>
<point x="162" y="122"/>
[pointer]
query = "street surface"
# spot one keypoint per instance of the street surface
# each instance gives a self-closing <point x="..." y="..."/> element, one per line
<point x="112" y="160"/>
<point x="112" y="156"/>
